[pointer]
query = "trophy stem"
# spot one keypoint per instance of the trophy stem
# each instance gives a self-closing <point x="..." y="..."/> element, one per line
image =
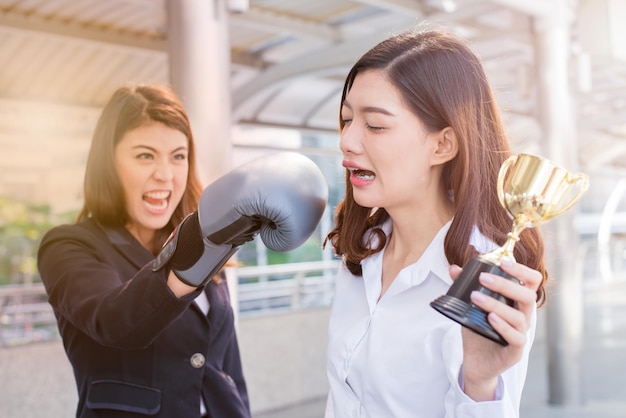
<point x="506" y="251"/>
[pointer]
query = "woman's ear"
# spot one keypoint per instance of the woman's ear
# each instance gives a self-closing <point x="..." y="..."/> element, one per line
<point x="447" y="146"/>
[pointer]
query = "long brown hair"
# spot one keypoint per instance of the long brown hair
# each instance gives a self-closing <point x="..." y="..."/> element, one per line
<point x="129" y="108"/>
<point x="444" y="84"/>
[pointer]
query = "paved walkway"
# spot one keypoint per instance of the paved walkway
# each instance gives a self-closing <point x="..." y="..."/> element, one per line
<point x="602" y="365"/>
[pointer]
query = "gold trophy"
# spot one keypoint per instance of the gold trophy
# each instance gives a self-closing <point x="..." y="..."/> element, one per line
<point x="533" y="190"/>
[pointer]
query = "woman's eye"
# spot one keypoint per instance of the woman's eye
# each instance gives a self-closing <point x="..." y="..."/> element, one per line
<point x="180" y="156"/>
<point x="145" y="156"/>
<point x="374" y="128"/>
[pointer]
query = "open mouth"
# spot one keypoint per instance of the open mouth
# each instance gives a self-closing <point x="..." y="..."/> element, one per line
<point x="157" y="201"/>
<point x="362" y="174"/>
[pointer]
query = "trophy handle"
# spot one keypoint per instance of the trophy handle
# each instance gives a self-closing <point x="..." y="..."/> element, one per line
<point x="584" y="185"/>
<point x="501" y="176"/>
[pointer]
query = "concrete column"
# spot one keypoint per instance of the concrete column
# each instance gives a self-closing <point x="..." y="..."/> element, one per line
<point x="199" y="59"/>
<point x="558" y="122"/>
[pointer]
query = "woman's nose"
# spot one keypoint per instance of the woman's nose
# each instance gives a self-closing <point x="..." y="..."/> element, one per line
<point x="350" y="140"/>
<point x="163" y="171"/>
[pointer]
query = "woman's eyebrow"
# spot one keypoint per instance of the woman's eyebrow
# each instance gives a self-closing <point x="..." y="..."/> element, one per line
<point x="376" y="109"/>
<point x="140" y="146"/>
<point x="370" y="109"/>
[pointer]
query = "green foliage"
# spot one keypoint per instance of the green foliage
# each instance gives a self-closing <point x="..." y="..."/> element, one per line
<point x="309" y="251"/>
<point x="22" y="226"/>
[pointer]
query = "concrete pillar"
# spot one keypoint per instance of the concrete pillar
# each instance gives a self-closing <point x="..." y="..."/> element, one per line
<point x="558" y="122"/>
<point x="199" y="59"/>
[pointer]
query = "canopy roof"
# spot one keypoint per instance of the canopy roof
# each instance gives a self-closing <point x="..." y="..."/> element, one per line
<point x="61" y="60"/>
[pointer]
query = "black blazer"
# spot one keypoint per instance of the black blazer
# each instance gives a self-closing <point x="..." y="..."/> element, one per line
<point x="135" y="348"/>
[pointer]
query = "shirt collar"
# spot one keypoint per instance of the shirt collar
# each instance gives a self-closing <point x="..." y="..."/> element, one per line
<point x="433" y="260"/>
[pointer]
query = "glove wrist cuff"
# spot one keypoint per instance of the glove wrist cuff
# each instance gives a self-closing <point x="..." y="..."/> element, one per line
<point x="183" y="248"/>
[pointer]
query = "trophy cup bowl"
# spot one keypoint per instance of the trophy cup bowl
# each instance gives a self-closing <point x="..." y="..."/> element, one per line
<point x="533" y="190"/>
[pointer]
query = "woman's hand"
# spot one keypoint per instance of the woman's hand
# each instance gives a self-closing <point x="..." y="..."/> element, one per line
<point x="483" y="359"/>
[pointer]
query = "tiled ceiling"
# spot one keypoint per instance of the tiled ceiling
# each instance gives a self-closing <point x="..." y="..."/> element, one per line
<point x="61" y="60"/>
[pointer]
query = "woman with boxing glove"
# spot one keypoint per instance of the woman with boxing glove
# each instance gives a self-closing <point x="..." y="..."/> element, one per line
<point x="136" y="282"/>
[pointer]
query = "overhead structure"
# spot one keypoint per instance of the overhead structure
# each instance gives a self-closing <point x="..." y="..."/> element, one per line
<point x="63" y="58"/>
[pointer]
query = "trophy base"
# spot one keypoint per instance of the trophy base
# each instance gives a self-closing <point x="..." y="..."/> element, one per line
<point x="456" y="303"/>
<point x="467" y="315"/>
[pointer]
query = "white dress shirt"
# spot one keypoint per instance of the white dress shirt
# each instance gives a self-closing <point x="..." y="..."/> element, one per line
<point x="398" y="357"/>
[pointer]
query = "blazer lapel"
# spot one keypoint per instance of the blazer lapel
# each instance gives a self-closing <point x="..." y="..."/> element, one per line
<point x="128" y="246"/>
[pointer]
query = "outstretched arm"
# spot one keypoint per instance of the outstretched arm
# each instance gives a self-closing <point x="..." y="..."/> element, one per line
<point x="281" y="197"/>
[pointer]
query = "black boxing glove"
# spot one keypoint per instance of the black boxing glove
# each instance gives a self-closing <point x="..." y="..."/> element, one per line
<point x="281" y="197"/>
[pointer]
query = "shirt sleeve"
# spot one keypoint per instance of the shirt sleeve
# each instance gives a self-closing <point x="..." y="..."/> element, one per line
<point x="329" y="407"/>
<point x="508" y="390"/>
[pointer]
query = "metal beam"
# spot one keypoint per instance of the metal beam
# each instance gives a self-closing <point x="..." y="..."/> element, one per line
<point x="410" y="7"/>
<point x="340" y="55"/>
<point x="79" y="33"/>
<point x="26" y="116"/>
<point x="610" y="154"/>
<point x="278" y="23"/>
<point x="534" y="8"/>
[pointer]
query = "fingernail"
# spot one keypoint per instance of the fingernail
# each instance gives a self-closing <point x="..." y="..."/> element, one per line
<point x="506" y="263"/>
<point x="485" y="278"/>
<point x="477" y="296"/>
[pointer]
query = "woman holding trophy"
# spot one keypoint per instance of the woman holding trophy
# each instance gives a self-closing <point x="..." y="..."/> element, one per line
<point x="423" y="143"/>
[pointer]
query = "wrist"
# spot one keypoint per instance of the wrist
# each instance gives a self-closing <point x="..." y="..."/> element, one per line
<point x="480" y="390"/>
<point x="178" y="287"/>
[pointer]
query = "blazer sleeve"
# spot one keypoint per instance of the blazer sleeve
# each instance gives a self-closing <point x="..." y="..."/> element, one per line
<point x="81" y="272"/>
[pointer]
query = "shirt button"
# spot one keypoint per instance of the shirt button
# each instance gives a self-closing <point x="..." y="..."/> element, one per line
<point x="197" y="361"/>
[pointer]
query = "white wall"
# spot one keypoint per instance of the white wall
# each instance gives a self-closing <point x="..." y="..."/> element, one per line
<point x="284" y="357"/>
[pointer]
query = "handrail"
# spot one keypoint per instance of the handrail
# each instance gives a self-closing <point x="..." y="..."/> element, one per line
<point x="20" y="290"/>
<point x="279" y="287"/>
<point x="301" y="289"/>
<point x="308" y="266"/>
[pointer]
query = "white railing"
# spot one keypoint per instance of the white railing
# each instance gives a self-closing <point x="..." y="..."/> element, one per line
<point x="265" y="289"/>
<point x="26" y="316"/>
